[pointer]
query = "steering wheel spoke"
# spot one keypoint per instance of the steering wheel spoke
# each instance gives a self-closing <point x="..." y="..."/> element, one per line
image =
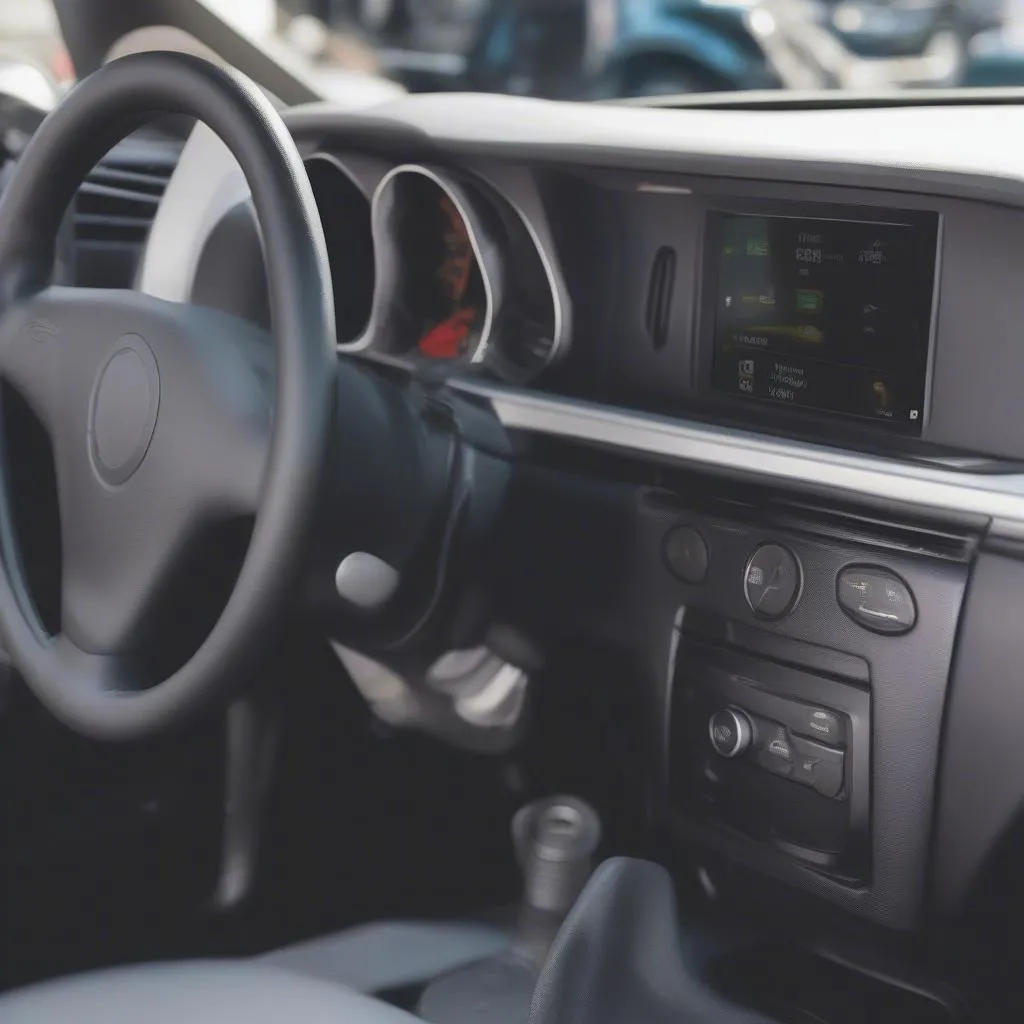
<point x="233" y="469"/>
<point x="30" y="350"/>
<point x="94" y="673"/>
<point x="120" y="550"/>
<point x="218" y="416"/>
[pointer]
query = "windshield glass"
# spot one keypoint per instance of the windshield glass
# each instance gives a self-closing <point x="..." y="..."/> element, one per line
<point x="611" y="49"/>
<point x="594" y="49"/>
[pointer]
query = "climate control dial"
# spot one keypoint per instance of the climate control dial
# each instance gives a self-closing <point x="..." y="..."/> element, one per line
<point x="731" y="732"/>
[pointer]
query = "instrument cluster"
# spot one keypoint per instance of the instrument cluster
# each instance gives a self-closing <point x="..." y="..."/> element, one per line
<point x="435" y="266"/>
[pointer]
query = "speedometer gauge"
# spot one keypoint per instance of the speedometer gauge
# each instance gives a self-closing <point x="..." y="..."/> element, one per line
<point x="454" y="298"/>
<point x="440" y="269"/>
<point x="459" y="279"/>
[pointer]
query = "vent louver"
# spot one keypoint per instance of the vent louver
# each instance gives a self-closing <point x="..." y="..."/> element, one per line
<point x="113" y="210"/>
<point x="659" y="296"/>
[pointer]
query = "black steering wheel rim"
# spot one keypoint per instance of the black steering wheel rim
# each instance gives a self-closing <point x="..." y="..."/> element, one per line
<point x="84" y="691"/>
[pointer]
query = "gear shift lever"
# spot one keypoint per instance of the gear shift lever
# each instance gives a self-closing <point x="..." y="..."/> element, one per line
<point x="555" y="841"/>
<point x="620" y="957"/>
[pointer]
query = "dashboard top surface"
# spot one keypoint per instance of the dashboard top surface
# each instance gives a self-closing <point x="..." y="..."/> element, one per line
<point x="969" y="141"/>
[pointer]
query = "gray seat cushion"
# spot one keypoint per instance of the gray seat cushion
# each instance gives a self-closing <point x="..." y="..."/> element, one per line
<point x="200" y="992"/>
<point x="391" y="954"/>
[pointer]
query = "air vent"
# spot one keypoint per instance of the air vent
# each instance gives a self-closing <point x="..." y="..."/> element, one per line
<point x="659" y="296"/>
<point x="112" y="212"/>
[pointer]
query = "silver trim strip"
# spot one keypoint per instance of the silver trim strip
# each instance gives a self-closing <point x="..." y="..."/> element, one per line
<point x="560" y="341"/>
<point x="997" y="496"/>
<point x="933" y="325"/>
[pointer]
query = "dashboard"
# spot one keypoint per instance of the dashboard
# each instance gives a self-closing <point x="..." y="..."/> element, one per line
<point x="758" y="377"/>
<point x="655" y="340"/>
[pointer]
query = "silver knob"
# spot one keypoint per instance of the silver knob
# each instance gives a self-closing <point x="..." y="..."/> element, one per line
<point x="730" y="731"/>
<point x="555" y="840"/>
<point x="366" y="581"/>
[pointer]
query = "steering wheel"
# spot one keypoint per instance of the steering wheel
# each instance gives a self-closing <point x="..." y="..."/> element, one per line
<point x="165" y="419"/>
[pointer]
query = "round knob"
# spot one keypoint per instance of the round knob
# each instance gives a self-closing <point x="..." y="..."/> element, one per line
<point x="731" y="732"/>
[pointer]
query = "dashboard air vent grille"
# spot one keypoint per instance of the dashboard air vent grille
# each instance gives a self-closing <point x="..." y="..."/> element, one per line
<point x="112" y="212"/>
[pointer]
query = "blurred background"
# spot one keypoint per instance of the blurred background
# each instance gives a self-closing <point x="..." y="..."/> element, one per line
<point x="591" y="49"/>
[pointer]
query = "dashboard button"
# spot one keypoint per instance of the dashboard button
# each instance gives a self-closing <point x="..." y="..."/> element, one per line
<point x="876" y="599"/>
<point x="772" y="581"/>
<point x="775" y="749"/>
<point x="687" y="554"/>
<point x="817" y="722"/>
<point x="730" y="731"/>
<point x="817" y="766"/>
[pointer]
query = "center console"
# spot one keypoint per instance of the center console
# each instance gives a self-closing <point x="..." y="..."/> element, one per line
<point x="808" y="681"/>
<point x="793" y="657"/>
<point x="813" y="649"/>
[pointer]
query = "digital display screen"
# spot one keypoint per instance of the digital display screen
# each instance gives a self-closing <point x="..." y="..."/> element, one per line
<point x="826" y="314"/>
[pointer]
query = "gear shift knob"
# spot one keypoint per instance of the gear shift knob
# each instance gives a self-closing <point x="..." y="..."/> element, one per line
<point x="555" y="840"/>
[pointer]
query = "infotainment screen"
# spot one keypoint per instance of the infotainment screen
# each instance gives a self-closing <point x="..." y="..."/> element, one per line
<point x="826" y="314"/>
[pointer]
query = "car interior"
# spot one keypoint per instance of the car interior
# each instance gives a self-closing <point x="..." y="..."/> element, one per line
<point x="483" y="559"/>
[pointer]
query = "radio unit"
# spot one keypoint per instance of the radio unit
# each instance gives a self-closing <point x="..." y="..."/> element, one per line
<point x="821" y="308"/>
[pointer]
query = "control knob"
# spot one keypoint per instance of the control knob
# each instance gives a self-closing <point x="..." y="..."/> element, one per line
<point x="730" y="731"/>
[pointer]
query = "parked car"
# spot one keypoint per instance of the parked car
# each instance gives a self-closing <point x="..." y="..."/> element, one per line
<point x="873" y="28"/>
<point x="561" y="49"/>
<point x="612" y="48"/>
<point x="874" y="45"/>
<point x="966" y="41"/>
<point x="996" y="58"/>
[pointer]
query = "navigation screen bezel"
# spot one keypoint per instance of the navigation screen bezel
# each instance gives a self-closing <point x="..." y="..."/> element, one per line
<point x="923" y="283"/>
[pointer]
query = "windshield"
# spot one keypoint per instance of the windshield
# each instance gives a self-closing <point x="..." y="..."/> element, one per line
<point x="592" y="49"/>
<point x="613" y="49"/>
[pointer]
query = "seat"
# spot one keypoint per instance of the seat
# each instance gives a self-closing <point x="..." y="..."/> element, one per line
<point x="324" y="979"/>
<point x="620" y="955"/>
<point x="201" y="992"/>
<point x="387" y="955"/>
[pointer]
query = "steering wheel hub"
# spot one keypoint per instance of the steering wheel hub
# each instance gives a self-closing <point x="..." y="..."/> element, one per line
<point x="123" y="410"/>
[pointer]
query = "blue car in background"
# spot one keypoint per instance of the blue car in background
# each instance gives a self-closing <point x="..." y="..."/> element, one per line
<point x="996" y="58"/>
<point x="596" y="49"/>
